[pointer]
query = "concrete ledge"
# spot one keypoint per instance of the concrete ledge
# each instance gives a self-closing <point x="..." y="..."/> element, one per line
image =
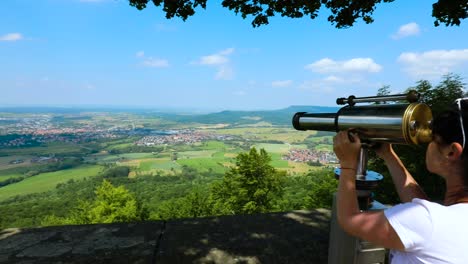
<point x="291" y="237"/>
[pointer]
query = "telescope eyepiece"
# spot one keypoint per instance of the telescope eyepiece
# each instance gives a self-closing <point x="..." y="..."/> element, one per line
<point x="343" y="100"/>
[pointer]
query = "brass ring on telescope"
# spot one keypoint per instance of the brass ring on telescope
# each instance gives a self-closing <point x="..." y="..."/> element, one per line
<point x="416" y="123"/>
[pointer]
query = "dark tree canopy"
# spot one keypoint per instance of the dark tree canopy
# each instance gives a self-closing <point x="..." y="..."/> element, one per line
<point x="344" y="13"/>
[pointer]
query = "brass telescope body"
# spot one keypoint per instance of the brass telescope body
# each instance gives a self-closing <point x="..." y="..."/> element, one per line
<point x="392" y="123"/>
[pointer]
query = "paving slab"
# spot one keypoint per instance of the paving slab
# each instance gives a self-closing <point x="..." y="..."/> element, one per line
<point x="103" y="243"/>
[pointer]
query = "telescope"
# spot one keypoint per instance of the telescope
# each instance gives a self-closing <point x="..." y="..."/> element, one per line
<point x="403" y="121"/>
<point x="400" y="123"/>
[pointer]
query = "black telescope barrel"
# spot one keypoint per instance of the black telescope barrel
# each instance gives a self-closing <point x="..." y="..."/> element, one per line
<point x="314" y="121"/>
<point x="411" y="97"/>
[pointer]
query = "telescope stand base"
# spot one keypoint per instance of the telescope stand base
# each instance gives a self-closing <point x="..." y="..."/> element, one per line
<point x="346" y="249"/>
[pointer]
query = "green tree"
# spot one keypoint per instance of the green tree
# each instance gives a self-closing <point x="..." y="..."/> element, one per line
<point x="450" y="88"/>
<point x="382" y="91"/>
<point x="250" y="187"/>
<point x="343" y="13"/>
<point x="117" y="171"/>
<point x="111" y="205"/>
<point x="193" y="205"/>
<point x="321" y="191"/>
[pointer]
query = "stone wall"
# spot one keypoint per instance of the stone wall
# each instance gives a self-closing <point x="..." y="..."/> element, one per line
<point x="291" y="237"/>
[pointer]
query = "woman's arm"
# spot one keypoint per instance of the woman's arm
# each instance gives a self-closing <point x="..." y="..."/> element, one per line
<point x="370" y="226"/>
<point x="405" y="184"/>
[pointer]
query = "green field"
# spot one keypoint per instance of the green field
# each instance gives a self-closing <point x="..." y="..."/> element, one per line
<point x="119" y="157"/>
<point x="158" y="164"/>
<point x="204" y="164"/>
<point x="210" y="145"/>
<point x="47" y="181"/>
<point x="195" y="154"/>
<point x="273" y="148"/>
<point x="8" y="176"/>
<point x="323" y="147"/>
<point x="55" y="148"/>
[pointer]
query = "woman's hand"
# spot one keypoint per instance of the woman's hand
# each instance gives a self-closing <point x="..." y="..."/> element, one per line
<point x="384" y="150"/>
<point x="346" y="150"/>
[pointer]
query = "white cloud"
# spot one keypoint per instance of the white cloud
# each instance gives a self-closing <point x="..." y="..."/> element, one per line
<point x="285" y="83"/>
<point x="334" y="79"/>
<point x="215" y="59"/>
<point x="11" y="37"/>
<point x="410" y="29"/>
<point x="432" y="64"/>
<point x="328" y="65"/>
<point x="155" y="63"/>
<point x="219" y="58"/>
<point x="150" y="61"/>
<point x="221" y="61"/>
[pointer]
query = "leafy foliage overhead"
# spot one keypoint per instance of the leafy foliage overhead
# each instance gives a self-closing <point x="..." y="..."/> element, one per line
<point x="344" y="13"/>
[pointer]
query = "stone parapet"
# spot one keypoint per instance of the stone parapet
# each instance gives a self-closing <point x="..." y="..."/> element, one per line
<point x="290" y="237"/>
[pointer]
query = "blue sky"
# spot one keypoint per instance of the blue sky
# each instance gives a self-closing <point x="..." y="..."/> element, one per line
<point x="105" y="52"/>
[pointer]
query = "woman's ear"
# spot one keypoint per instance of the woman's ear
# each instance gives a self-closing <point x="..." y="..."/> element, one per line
<point x="455" y="150"/>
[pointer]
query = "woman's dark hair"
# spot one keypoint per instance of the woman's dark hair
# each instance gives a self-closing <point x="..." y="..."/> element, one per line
<point x="447" y="126"/>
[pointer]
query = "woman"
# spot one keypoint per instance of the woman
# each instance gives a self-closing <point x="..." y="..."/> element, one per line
<point x="417" y="231"/>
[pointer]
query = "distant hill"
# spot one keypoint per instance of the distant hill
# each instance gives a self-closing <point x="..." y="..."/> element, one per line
<point x="275" y="117"/>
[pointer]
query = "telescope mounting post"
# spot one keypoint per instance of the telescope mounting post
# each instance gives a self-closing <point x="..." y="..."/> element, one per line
<point x="343" y="248"/>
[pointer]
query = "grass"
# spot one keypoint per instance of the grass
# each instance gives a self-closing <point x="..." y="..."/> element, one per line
<point x="8" y="176"/>
<point x="212" y="145"/>
<point x="273" y="148"/>
<point x="300" y="168"/>
<point x="119" y="157"/>
<point x="323" y="147"/>
<point x="47" y="181"/>
<point x="204" y="164"/>
<point x="195" y="154"/>
<point x="120" y="146"/>
<point x="320" y="139"/>
<point x="166" y="165"/>
<point x="158" y="164"/>
<point x="218" y="155"/>
<point x="51" y="148"/>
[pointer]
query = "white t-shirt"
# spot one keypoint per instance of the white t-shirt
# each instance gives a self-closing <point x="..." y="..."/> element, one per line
<point x="430" y="232"/>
